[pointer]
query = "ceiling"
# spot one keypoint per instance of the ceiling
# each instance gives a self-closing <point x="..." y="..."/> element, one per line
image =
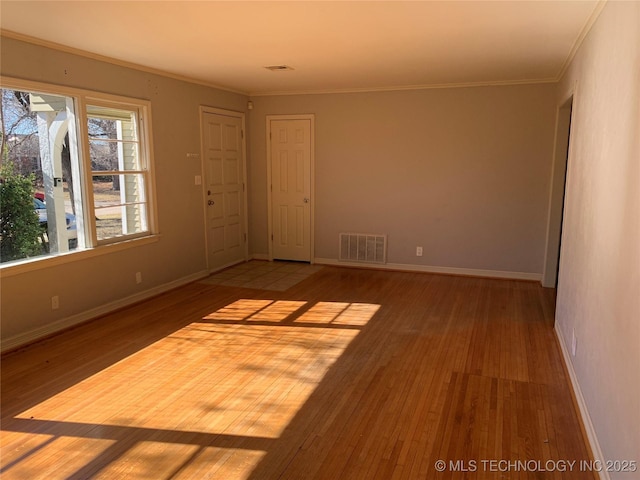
<point x="331" y="46"/>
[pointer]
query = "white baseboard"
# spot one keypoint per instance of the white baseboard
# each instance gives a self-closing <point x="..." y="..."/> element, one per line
<point x="430" y="269"/>
<point x="582" y="407"/>
<point x="46" y="330"/>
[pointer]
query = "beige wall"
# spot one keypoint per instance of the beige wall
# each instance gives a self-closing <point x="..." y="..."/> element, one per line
<point x="462" y="172"/>
<point x="180" y="250"/>
<point x="599" y="279"/>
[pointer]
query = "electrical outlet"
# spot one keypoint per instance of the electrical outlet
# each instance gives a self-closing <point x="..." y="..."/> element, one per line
<point x="55" y="302"/>
<point x="418" y="251"/>
<point x="138" y="277"/>
<point x="574" y="343"/>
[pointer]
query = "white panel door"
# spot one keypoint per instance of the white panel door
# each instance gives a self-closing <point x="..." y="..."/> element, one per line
<point x="291" y="189"/>
<point x="224" y="189"/>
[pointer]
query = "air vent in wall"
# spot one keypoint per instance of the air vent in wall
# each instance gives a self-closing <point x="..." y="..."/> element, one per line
<point x="363" y="248"/>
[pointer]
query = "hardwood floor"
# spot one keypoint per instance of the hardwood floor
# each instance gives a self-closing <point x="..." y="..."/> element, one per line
<point x="350" y="374"/>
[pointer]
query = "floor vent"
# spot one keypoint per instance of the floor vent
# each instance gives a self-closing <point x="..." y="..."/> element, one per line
<point x="363" y="248"/>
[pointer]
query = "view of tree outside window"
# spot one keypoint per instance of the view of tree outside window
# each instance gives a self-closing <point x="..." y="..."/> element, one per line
<point x="36" y="150"/>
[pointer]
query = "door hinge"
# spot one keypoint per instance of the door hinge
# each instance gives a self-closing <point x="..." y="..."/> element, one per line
<point x="245" y="238"/>
<point x="272" y="237"/>
<point x="242" y="133"/>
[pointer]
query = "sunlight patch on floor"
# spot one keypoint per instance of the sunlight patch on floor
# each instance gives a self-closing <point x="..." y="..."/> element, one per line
<point x="208" y="399"/>
<point x="144" y="460"/>
<point x="277" y="311"/>
<point x="354" y="314"/>
<point x="78" y="453"/>
<point x="239" y="310"/>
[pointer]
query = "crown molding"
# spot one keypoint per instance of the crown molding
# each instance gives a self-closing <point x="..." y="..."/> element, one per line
<point x="499" y="83"/>
<point x="114" y="61"/>
<point x="597" y="10"/>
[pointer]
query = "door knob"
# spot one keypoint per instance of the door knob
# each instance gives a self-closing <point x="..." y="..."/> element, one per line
<point x="306" y="200"/>
<point x="211" y="202"/>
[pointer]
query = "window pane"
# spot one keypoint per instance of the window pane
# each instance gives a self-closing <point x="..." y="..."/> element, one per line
<point x="118" y="221"/>
<point x="111" y="123"/>
<point x="109" y="190"/>
<point x="33" y="122"/>
<point x="114" y="156"/>
<point x="120" y="207"/>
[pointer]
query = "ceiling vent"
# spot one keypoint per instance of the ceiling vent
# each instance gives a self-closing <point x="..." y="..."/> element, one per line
<point x="279" y="68"/>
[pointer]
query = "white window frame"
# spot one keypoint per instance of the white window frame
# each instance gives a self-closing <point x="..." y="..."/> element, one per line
<point x="93" y="247"/>
<point x="141" y="109"/>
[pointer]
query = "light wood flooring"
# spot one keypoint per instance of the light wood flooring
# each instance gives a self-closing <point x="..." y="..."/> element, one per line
<point x="349" y="374"/>
<point x="277" y="275"/>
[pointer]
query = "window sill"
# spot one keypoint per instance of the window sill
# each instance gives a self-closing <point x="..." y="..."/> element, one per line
<point x="39" y="263"/>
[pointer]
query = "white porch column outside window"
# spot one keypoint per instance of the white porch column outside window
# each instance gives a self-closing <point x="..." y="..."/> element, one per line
<point x="52" y="128"/>
<point x="76" y="174"/>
